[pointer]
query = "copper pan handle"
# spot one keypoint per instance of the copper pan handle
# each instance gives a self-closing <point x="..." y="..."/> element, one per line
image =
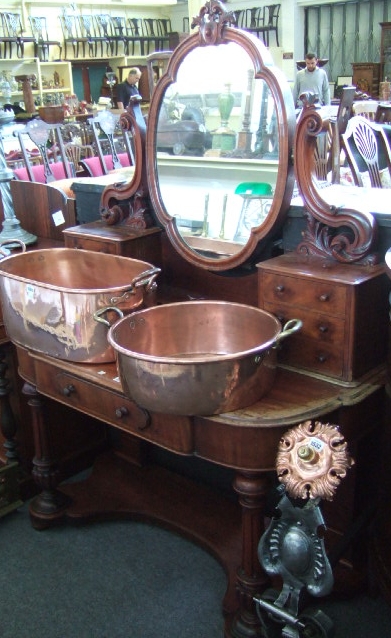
<point x="291" y="326"/>
<point x="11" y="242"/>
<point x="98" y="315"/>
<point x="146" y="278"/>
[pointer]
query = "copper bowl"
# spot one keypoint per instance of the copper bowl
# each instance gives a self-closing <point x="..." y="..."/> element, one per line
<point x="197" y="357"/>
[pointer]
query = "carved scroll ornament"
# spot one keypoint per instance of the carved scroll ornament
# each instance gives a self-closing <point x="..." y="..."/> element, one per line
<point x="345" y="234"/>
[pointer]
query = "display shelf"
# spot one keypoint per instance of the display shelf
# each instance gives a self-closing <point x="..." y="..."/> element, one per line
<point x="44" y="72"/>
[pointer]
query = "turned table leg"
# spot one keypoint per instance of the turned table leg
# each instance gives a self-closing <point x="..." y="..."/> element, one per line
<point x="50" y="505"/>
<point x="8" y="422"/>
<point x="252" y="489"/>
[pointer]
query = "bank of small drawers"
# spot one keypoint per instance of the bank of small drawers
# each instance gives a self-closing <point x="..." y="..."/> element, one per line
<point x="343" y="309"/>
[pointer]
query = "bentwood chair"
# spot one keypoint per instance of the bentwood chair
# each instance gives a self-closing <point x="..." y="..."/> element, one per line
<point x="42" y="42"/>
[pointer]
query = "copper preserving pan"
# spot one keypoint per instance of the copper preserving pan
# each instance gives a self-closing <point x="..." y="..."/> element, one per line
<point x="197" y="357"/>
<point x="49" y="298"/>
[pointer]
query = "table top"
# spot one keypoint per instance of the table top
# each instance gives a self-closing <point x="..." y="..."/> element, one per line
<point x="365" y="200"/>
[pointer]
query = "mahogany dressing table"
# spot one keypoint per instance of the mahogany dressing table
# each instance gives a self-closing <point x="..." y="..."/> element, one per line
<point x="338" y="278"/>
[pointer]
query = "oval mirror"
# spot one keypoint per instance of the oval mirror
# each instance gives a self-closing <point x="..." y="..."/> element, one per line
<point x="219" y="140"/>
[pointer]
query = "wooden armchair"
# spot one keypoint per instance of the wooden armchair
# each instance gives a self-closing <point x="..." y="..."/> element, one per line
<point x="367" y="152"/>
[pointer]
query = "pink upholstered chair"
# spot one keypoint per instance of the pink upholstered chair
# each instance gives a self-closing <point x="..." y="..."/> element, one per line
<point x="42" y="134"/>
<point x="38" y="171"/>
<point x="105" y="129"/>
<point x="93" y="165"/>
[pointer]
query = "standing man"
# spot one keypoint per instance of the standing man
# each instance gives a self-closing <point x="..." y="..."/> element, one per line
<point x="126" y="89"/>
<point x="313" y="79"/>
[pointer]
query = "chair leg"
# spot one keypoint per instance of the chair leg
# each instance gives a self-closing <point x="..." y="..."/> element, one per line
<point x="20" y="48"/>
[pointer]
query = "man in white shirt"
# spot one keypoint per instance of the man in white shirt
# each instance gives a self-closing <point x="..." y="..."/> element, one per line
<point x="312" y="79"/>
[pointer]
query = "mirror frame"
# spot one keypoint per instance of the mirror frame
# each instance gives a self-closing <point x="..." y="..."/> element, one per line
<point x="214" y="29"/>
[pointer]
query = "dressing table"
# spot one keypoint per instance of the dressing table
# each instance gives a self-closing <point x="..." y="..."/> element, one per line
<point x="336" y="250"/>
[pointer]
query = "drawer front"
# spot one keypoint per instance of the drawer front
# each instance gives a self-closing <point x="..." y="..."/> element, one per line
<point x="323" y="297"/>
<point x="323" y="328"/>
<point x="312" y="355"/>
<point x="95" y="245"/>
<point x="113" y="408"/>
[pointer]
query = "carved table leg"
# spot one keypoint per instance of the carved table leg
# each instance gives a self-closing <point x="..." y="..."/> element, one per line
<point x="251" y="579"/>
<point x="50" y="505"/>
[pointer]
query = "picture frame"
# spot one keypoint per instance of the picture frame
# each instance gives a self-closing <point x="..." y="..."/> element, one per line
<point x="344" y="80"/>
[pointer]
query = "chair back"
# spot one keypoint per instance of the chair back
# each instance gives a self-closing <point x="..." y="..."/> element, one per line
<point x="338" y="127"/>
<point x="367" y="152"/>
<point x="366" y="108"/>
<point x="107" y="132"/>
<point x="12" y="24"/>
<point x="73" y="153"/>
<point x="38" y="28"/>
<point x="55" y="164"/>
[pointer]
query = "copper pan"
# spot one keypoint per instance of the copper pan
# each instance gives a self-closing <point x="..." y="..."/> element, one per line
<point x="197" y="357"/>
<point x="49" y="298"/>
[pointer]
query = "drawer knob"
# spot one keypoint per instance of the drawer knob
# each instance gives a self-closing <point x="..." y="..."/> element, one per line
<point x="324" y="297"/>
<point x="323" y="328"/>
<point x="120" y="412"/>
<point x="322" y="358"/>
<point x="280" y="288"/>
<point x="68" y="390"/>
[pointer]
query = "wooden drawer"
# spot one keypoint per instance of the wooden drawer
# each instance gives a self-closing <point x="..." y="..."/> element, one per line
<point x="96" y="245"/>
<point x="318" y="356"/>
<point x="343" y="309"/>
<point x="324" y="297"/>
<point x="322" y="328"/>
<point x="113" y="408"/>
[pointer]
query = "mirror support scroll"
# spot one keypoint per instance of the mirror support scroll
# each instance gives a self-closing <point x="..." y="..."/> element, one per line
<point x="339" y="232"/>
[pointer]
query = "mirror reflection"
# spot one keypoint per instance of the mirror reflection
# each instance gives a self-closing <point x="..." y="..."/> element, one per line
<point x="217" y="149"/>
